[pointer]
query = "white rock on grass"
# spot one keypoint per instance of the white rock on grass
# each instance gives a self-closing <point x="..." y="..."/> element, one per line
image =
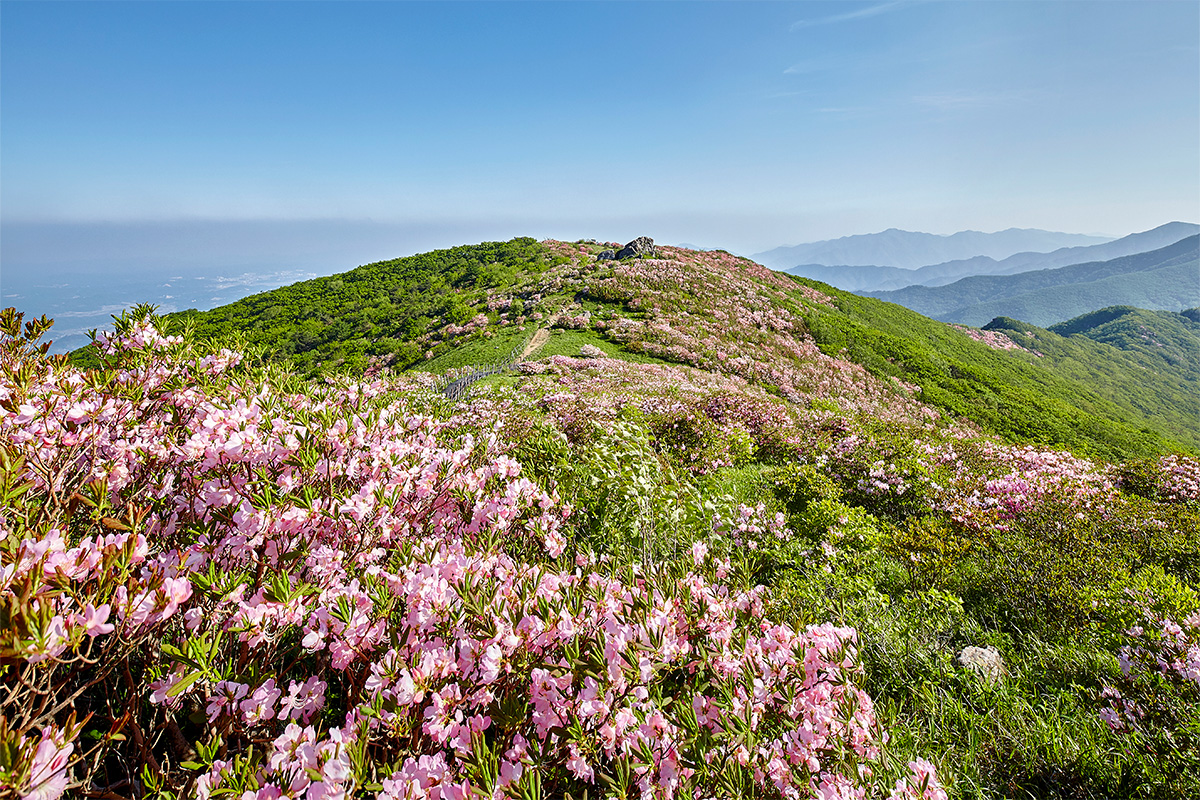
<point x="591" y="351"/>
<point x="984" y="660"/>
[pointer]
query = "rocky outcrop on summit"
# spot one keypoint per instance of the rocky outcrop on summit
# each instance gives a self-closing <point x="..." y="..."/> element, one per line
<point x="641" y="246"/>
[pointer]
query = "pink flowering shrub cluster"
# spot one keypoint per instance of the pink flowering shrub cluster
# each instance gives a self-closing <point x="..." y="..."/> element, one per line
<point x="1171" y="479"/>
<point x="701" y="421"/>
<point x="720" y="312"/>
<point x="1014" y="480"/>
<point x="241" y="585"/>
<point x="994" y="339"/>
<point x="1156" y="700"/>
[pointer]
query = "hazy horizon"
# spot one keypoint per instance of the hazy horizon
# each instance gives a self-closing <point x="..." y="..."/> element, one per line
<point x="251" y="141"/>
<point x="82" y="273"/>
<point x="737" y="125"/>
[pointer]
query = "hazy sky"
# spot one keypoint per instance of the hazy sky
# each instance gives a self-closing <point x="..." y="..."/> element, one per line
<point x="741" y="125"/>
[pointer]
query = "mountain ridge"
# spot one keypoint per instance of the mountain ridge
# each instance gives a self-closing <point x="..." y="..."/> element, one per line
<point x="1173" y="338"/>
<point x="711" y="310"/>
<point x="1164" y="279"/>
<point x="713" y="498"/>
<point x="884" y="278"/>
<point x="911" y="249"/>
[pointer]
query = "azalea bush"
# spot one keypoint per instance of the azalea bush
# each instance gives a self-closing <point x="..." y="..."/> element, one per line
<point x="1154" y="702"/>
<point x="218" y="580"/>
<point x="593" y="578"/>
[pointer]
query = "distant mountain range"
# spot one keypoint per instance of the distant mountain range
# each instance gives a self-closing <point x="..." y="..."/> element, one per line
<point x="1163" y="279"/>
<point x="910" y="249"/>
<point x="884" y="278"/>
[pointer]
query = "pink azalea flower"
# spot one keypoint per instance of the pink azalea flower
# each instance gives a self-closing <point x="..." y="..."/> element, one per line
<point x="48" y="771"/>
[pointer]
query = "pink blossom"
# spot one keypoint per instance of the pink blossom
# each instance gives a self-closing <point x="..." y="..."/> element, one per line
<point x="48" y="770"/>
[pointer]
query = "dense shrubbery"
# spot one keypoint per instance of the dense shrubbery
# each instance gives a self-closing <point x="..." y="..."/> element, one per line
<point x="747" y="577"/>
<point x="220" y="580"/>
<point x="719" y="312"/>
<point x="215" y="583"/>
<point x="1074" y="393"/>
<point x="383" y="311"/>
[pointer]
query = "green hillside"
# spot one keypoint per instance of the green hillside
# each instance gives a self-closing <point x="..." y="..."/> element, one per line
<point x="1156" y="336"/>
<point x="379" y="310"/>
<point x="1068" y="391"/>
<point x="1162" y="396"/>
<point x="1168" y="278"/>
<point x="478" y="304"/>
<point x="808" y="456"/>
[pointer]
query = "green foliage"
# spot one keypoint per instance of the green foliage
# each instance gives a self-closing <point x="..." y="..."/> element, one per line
<point x="380" y="309"/>
<point x="1048" y="570"/>
<point x="799" y="485"/>
<point x="931" y="548"/>
<point x="1167" y="340"/>
<point x="1086" y="396"/>
<point x="1090" y="396"/>
<point x="1050" y="588"/>
<point x="478" y="351"/>
<point x="628" y="501"/>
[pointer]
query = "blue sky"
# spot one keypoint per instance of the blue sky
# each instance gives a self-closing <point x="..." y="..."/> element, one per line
<point x="739" y="125"/>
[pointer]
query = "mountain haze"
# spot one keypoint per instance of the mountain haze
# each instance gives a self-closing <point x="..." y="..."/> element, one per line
<point x="1167" y="278"/>
<point x="876" y="278"/>
<point x="910" y="249"/>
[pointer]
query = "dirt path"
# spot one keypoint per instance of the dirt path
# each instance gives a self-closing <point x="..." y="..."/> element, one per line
<point x="539" y="338"/>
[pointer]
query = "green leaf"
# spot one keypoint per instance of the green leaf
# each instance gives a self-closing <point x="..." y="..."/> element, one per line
<point x="183" y="685"/>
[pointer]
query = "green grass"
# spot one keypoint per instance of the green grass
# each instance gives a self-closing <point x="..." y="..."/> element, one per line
<point x="1083" y="395"/>
<point x="479" y="351"/>
<point x="566" y="342"/>
<point x="482" y="351"/>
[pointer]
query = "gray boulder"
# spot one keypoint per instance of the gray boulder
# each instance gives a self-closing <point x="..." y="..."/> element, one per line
<point x="605" y="255"/>
<point x="641" y="246"/>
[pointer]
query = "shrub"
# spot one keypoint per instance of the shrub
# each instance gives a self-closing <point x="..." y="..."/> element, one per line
<point x="244" y="585"/>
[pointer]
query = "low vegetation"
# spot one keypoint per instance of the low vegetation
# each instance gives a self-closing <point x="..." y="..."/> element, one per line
<point x="748" y="547"/>
<point x="380" y="311"/>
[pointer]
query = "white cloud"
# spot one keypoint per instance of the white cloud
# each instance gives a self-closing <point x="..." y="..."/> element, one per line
<point x="862" y="13"/>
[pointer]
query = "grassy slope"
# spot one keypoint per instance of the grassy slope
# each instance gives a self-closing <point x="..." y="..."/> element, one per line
<point x="1162" y="395"/>
<point x="1081" y="394"/>
<point x="484" y="351"/>
<point x="1171" y="340"/>
<point x="379" y="309"/>
<point x="1034" y="734"/>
